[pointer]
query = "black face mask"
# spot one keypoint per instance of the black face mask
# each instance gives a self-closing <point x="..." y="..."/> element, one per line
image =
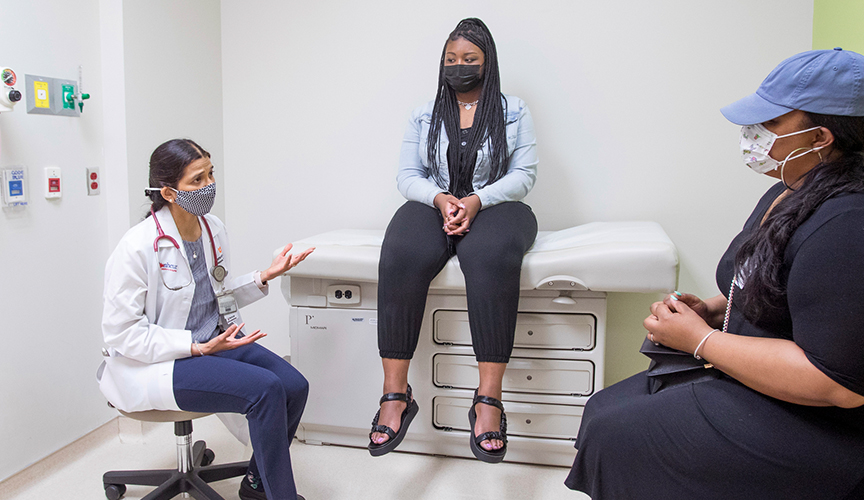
<point x="462" y="77"/>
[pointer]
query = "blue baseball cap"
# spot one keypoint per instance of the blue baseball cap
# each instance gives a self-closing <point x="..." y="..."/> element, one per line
<point x="827" y="82"/>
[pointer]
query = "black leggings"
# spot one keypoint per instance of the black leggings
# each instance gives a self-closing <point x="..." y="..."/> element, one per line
<point x="414" y="251"/>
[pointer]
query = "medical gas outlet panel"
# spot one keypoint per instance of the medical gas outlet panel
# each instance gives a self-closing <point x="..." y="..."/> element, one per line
<point x="9" y="95"/>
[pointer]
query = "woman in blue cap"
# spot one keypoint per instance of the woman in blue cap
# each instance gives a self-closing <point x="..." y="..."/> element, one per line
<point x="783" y="415"/>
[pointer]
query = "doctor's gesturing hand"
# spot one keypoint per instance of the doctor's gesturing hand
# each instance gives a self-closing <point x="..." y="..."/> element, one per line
<point x="283" y="262"/>
<point x="226" y="341"/>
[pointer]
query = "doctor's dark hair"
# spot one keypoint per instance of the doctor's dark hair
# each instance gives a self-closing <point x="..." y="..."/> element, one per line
<point x="761" y="255"/>
<point x="167" y="164"/>
<point x="488" y="119"/>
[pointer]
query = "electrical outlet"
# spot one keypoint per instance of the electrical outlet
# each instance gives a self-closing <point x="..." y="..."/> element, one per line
<point x="343" y="295"/>
<point x="94" y="181"/>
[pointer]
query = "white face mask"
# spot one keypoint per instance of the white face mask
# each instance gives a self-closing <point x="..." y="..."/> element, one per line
<point x="756" y="142"/>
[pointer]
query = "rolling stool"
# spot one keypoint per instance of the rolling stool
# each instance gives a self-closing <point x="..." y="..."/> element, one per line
<point x="193" y="464"/>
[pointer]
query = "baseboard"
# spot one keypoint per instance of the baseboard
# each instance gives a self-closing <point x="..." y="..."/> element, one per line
<point x="21" y="480"/>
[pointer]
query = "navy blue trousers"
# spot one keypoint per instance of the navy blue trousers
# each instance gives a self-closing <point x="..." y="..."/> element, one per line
<point x="259" y="384"/>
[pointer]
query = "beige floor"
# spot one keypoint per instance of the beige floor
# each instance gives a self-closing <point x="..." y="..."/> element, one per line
<point x="322" y="472"/>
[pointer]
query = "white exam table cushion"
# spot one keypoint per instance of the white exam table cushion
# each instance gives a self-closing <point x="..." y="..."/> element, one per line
<point x="599" y="256"/>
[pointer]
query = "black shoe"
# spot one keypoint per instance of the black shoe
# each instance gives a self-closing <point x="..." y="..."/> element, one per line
<point x="376" y="450"/>
<point x="488" y="456"/>
<point x="250" y="490"/>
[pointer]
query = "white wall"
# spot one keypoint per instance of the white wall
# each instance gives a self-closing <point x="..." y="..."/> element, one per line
<point x="51" y="254"/>
<point x="625" y="97"/>
<point x="173" y="74"/>
<point x="161" y="80"/>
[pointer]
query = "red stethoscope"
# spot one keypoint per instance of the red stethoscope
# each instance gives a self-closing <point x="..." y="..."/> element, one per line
<point x="218" y="271"/>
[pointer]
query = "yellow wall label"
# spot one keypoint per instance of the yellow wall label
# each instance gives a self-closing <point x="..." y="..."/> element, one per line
<point x="40" y="91"/>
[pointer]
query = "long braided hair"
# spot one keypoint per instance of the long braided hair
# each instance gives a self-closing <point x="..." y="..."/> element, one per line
<point x="167" y="165"/>
<point x="488" y="119"/>
<point x="761" y="254"/>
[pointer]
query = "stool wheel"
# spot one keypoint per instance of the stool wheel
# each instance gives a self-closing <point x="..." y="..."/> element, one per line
<point x="208" y="457"/>
<point x="114" y="491"/>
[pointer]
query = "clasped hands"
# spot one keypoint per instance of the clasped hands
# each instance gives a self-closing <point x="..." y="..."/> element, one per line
<point x="680" y="321"/>
<point x="457" y="214"/>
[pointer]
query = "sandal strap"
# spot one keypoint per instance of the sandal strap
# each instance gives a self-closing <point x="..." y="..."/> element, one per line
<point x="393" y="396"/>
<point x="397" y="396"/>
<point x="382" y="429"/>
<point x="486" y="400"/>
<point x="490" y="436"/>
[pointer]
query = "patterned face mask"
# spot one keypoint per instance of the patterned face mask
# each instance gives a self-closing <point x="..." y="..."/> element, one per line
<point x="198" y="202"/>
<point x="756" y="142"/>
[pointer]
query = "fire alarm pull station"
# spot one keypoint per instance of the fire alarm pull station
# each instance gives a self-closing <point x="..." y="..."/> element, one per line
<point x="52" y="183"/>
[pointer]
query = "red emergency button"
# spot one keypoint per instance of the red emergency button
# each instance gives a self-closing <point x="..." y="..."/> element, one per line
<point x="54" y="185"/>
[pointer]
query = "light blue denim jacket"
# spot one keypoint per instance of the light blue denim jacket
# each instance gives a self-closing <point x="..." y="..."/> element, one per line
<point x="416" y="184"/>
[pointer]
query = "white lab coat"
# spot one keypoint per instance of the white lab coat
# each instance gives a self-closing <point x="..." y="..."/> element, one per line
<point x="143" y="322"/>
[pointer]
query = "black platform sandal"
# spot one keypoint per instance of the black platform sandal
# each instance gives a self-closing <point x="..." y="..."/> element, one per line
<point x="488" y="456"/>
<point x="376" y="450"/>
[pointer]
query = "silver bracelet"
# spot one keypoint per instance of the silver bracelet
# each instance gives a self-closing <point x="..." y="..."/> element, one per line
<point x="198" y="346"/>
<point x="695" y="355"/>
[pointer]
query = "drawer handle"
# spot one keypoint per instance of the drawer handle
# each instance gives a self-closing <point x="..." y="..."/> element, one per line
<point x="530" y="332"/>
<point x="529" y="377"/>
<point x="528" y="421"/>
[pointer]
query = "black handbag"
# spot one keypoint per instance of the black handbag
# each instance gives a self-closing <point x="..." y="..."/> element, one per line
<point x="671" y="367"/>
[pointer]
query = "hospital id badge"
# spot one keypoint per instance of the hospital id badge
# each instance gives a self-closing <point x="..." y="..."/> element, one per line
<point x="227" y="303"/>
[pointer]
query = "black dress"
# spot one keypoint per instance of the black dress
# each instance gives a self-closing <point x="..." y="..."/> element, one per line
<point x="721" y="440"/>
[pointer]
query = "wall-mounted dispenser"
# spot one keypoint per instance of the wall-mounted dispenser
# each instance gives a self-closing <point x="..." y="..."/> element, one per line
<point x="9" y="96"/>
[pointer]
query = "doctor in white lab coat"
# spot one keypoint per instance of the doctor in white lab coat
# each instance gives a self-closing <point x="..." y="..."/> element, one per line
<point x="171" y="321"/>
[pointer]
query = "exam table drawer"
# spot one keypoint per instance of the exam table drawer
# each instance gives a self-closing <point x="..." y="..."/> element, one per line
<point x="523" y="419"/>
<point x="533" y="330"/>
<point x="530" y="375"/>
